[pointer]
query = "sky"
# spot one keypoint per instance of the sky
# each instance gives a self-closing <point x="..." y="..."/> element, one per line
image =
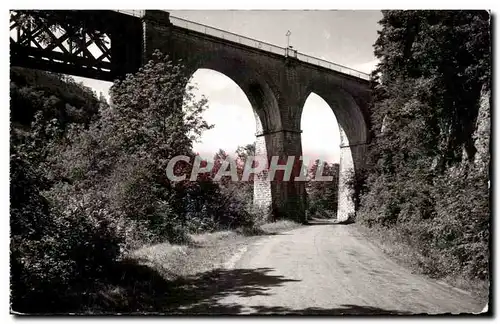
<point x="344" y="37"/>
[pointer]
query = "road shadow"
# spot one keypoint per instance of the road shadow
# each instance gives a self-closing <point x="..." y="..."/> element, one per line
<point x="319" y="221"/>
<point x="260" y="232"/>
<point x="143" y="291"/>
<point x="318" y="311"/>
<point x="133" y="288"/>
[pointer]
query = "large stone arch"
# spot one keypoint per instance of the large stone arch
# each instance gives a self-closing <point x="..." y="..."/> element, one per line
<point x="261" y="95"/>
<point x="354" y="136"/>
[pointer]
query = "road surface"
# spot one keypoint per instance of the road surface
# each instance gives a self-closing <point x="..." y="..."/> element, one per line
<point x="327" y="269"/>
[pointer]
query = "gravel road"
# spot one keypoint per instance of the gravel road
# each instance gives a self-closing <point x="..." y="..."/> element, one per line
<point x="329" y="269"/>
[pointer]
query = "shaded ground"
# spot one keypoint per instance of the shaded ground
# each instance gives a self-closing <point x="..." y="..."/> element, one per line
<point x="140" y="290"/>
<point x="158" y="278"/>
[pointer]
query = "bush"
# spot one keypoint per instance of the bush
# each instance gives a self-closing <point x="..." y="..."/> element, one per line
<point x="356" y="182"/>
<point x="461" y="226"/>
<point x="54" y="246"/>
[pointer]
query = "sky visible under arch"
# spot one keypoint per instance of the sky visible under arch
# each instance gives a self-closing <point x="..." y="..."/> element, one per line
<point x="344" y="37"/>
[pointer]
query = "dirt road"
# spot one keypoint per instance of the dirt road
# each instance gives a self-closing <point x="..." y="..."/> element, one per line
<point x="328" y="269"/>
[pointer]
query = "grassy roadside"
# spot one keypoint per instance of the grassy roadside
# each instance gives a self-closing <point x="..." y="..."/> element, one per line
<point x="205" y="252"/>
<point x="410" y="258"/>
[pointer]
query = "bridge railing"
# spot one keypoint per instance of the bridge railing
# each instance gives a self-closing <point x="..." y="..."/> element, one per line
<point x="219" y="33"/>
<point x="332" y="66"/>
<point x="132" y="12"/>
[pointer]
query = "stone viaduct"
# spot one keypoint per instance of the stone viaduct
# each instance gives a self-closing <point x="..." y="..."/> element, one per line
<point x="277" y="82"/>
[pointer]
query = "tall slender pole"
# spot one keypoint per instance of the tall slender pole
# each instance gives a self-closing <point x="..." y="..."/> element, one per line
<point x="288" y="33"/>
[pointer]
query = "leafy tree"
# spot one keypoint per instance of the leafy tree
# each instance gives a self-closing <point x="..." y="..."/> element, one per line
<point x="237" y="208"/>
<point x="323" y="195"/>
<point x="56" y="96"/>
<point x="51" y="249"/>
<point x="244" y="153"/>
<point x="124" y="154"/>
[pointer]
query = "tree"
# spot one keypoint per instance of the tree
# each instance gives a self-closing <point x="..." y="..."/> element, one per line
<point x="124" y="154"/>
<point x="237" y="209"/>
<point x="56" y="96"/>
<point x="323" y="195"/>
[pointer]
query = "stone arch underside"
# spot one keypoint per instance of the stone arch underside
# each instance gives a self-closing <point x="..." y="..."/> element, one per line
<point x="354" y="134"/>
<point x="264" y="106"/>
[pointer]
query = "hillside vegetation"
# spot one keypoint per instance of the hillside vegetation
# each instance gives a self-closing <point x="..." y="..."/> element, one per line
<point x="426" y="184"/>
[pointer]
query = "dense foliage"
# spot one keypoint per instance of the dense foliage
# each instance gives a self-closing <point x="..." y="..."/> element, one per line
<point x="51" y="248"/>
<point x="89" y="182"/>
<point x="56" y="96"/>
<point x="237" y="208"/>
<point x="428" y="165"/>
<point x="322" y="196"/>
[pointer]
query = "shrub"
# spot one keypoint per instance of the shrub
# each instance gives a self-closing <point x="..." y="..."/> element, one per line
<point x="54" y="245"/>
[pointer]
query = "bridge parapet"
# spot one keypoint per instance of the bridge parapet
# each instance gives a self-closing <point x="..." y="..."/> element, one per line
<point x="264" y="46"/>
